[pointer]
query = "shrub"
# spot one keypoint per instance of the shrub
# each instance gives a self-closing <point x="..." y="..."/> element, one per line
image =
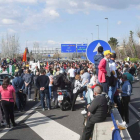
<point x="133" y="59"/>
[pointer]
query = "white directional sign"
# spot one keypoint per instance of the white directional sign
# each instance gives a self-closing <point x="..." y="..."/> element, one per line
<point x="92" y="49"/>
<point x="96" y="48"/>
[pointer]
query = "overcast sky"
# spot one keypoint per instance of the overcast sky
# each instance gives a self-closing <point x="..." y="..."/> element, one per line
<point x="52" y="22"/>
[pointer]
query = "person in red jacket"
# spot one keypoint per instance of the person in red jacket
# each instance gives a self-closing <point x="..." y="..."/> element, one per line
<point x="104" y="71"/>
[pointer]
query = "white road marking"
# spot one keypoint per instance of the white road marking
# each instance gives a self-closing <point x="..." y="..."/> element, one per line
<point x="49" y="129"/>
<point x="4" y="131"/>
<point x="136" y="111"/>
<point x="132" y="118"/>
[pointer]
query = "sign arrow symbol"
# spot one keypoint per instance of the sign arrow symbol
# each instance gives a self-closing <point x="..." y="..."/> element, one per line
<point x="96" y="48"/>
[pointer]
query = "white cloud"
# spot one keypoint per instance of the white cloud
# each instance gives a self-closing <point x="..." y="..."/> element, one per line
<point x="138" y="17"/>
<point x="119" y="22"/>
<point x="18" y="1"/>
<point x="8" y="21"/>
<point x="11" y="31"/>
<point x="50" y="12"/>
<point x="52" y="42"/>
<point x="73" y="4"/>
<point x="36" y="13"/>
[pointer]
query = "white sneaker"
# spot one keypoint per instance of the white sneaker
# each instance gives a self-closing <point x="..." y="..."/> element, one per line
<point x="43" y="109"/>
<point x="30" y="99"/>
<point x="84" y="112"/>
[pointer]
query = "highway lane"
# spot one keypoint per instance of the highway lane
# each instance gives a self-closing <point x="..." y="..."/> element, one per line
<point x="53" y="124"/>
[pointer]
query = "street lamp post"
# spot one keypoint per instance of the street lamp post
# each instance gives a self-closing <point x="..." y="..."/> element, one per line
<point x="107" y="28"/>
<point x="92" y="36"/>
<point x="26" y="43"/>
<point x="87" y="41"/>
<point x="98" y="30"/>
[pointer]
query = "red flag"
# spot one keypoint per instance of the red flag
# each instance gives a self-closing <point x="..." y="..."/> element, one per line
<point x="24" y="56"/>
<point x="47" y="66"/>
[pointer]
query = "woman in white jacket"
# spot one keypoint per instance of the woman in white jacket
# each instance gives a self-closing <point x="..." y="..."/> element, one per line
<point x="89" y="94"/>
<point x="78" y="88"/>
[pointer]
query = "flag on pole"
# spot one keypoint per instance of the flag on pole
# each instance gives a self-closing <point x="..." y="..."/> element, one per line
<point x="24" y="56"/>
<point x="38" y="64"/>
<point x="47" y="66"/>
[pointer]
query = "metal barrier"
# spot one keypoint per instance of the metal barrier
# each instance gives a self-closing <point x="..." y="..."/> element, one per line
<point x="116" y="132"/>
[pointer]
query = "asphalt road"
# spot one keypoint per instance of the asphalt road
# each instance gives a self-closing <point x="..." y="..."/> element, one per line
<point x="134" y="129"/>
<point x="35" y="124"/>
<point x="55" y="124"/>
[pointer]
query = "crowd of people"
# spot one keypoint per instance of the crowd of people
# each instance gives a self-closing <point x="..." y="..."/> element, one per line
<point x="91" y="82"/>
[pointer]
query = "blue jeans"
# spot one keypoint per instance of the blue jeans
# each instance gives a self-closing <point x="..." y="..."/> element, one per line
<point x="111" y="93"/>
<point x="88" y="95"/>
<point x="28" y="91"/>
<point x="50" y="91"/>
<point x="43" y="94"/>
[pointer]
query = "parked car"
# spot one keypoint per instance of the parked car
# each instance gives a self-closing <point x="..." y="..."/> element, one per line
<point x="2" y="76"/>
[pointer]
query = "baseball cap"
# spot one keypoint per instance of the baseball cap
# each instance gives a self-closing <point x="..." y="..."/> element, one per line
<point x="107" y="52"/>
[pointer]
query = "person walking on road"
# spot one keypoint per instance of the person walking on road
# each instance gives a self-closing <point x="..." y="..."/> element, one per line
<point x="104" y="71"/>
<point x="36" y="89"/>
<point x="71" y="73"/>
<point x="8" y="99"/>
<point x="126" y="93"/>
<point x="98" y="57"/>
<point x="51" y="83"/>
<point x="18" y="85"/>
<point x="113" y="84"/>
<point x="43" y="85"/>
<point x="28" y="81"/>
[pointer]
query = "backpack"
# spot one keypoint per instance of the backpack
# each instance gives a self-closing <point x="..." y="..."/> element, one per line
<point x="112" y="80"/>
<point x="56" y="80"/>
<point x="109" y="103"/>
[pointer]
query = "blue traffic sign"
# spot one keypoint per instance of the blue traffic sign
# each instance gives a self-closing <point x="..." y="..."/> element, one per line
<point x="68" y="48"/>
<point x="82" y="57"/>
<point x="93" y="48"/>
<point x="81" y="48"/>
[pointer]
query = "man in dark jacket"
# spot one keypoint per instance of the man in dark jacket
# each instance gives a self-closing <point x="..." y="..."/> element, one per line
<point x="98" y="57"/>
<point x="97" y="112"/>
<point x="63" y="81"/>
<point x="27" y="80"/>
<point x="18" y="84"/>
<point x="42" y="84"/>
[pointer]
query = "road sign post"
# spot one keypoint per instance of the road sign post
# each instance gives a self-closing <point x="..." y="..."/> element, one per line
<point x="93" y="48"/>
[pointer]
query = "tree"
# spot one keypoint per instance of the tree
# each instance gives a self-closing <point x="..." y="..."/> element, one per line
<point x="113" y="42"/>
<point x="138" y="33"/>
<point x="10" y="46"/>
<point x="132" y="43"/>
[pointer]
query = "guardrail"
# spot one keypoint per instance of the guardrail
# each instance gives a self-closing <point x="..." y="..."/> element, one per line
<point x="116" y="132"/>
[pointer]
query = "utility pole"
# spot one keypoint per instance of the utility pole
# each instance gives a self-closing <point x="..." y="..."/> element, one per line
<point x="98" y="31"/>
<point x="92" y="36"/>
<point x="107" y="28"/>
<point x="124" y="48"/>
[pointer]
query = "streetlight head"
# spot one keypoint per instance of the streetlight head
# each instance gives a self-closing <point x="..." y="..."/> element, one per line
<point x="106" y="18"/>
<point x="97" y="25"/>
